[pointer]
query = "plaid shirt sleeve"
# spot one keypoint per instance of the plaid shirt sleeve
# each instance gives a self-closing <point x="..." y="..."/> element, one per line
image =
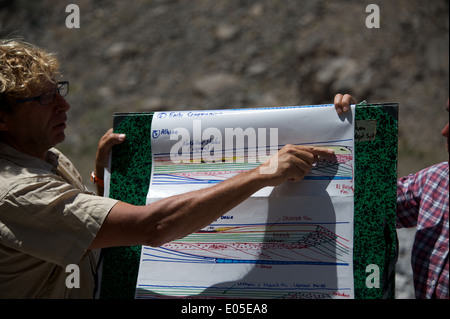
<point x="422" y="202"/>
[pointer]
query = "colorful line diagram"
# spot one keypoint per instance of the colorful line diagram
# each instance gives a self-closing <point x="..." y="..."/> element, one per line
<point x="165" y="172"/>
<point x="263" y="245"/>
<point x="279" y="244"/>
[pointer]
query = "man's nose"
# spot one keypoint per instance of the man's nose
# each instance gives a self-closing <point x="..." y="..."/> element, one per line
<point x="61" y="103"/>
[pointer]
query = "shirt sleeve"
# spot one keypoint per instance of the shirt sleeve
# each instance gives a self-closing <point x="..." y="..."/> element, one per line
<point x="51" y="220"/>
<point x="408" y="200"/>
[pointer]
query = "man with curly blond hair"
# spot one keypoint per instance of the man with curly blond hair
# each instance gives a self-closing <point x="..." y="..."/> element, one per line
<point x="48" y="219"/>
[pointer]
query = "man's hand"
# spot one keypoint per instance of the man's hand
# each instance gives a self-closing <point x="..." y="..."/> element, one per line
<point x="292" y="163"/>
<point x="104" y="148"/>
<point x="342" y="102"/>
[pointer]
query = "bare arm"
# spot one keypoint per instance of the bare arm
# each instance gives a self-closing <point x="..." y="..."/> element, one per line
<point x="178" y="216"/>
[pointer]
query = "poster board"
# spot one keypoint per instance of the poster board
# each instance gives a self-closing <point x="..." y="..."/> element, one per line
<point x="374" y="199"/>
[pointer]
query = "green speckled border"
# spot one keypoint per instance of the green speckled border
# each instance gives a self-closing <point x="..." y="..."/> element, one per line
<point x="375" y="240"/>
<point x="130" y="177"/>
<point x="375" y="236"/>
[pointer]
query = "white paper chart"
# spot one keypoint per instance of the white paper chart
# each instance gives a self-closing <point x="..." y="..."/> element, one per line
<point x="290" y="241"/>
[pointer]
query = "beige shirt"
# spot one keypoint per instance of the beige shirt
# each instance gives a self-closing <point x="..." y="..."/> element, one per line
<point x="48" y="220"/>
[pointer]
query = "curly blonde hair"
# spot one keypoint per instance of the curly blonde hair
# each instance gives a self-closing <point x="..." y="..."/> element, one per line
<point x="23" y="67"/>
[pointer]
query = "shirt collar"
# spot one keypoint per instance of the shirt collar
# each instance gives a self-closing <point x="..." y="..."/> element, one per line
<point x="25" y="160"/>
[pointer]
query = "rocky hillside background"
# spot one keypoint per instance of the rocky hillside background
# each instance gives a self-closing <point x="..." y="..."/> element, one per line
<point x="145" y="55"/>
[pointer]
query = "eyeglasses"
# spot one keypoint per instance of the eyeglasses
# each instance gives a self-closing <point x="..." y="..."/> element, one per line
<point x="48" y="97"/>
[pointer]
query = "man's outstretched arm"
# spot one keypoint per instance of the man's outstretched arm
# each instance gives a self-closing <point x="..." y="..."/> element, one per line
<point x="178" y="216"/>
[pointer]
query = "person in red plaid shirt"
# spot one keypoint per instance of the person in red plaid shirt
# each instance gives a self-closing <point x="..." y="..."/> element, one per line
<point x="422" y="202"/>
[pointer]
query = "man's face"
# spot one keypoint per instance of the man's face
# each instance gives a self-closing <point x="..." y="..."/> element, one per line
<point x="33" y="128"/>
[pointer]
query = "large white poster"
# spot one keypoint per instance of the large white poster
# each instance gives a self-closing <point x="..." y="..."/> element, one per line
<point x="290" y="241"/>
